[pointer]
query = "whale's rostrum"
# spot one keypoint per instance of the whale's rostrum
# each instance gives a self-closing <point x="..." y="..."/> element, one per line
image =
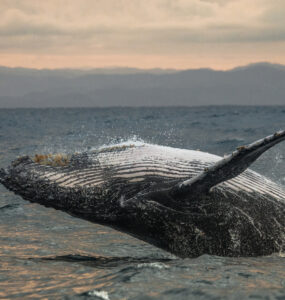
<point x="186" y="202"/>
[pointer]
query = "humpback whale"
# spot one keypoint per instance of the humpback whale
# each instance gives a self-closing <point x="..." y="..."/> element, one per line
<point x="186" y="202"/>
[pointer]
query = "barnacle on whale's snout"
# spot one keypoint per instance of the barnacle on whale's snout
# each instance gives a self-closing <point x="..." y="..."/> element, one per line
<point x="55" y="160"/>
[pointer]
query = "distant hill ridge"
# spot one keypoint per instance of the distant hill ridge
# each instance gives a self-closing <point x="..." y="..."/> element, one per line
<point x="255" y="84"/>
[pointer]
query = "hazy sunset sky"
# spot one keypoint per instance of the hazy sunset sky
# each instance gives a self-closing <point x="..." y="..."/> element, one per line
<point x="177" y="34"/>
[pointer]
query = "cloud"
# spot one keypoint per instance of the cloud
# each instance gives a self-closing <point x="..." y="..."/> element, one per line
<point x="130" y="27"/>
<point x="219" y="2"/>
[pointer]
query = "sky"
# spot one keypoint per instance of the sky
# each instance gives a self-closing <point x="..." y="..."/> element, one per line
<point x="179" y="34"/>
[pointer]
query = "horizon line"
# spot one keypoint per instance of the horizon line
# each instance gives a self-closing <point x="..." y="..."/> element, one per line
<point x="110" y="68"/>
<point x="146" y="106"/>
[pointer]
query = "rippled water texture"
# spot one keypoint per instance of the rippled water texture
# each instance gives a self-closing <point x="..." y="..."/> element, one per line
<point x="46" y="253"/>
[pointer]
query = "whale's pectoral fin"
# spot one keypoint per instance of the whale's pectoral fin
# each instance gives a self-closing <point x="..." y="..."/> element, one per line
<point x="226" y="168"/>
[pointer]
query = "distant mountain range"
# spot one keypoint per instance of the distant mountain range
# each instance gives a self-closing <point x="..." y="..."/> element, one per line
<point x="255" y="84"/>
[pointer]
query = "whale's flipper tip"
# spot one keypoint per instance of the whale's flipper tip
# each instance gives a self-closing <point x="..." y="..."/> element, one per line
<point x="227" y="168"/>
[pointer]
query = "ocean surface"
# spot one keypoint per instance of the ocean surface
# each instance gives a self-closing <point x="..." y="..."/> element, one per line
<point x="48" y="254"/>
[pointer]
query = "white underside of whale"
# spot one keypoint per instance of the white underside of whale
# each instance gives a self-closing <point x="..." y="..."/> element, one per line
<point x="136" y="162"/>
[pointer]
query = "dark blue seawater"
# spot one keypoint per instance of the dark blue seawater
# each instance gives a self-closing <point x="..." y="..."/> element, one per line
<point x="48" y="254"/>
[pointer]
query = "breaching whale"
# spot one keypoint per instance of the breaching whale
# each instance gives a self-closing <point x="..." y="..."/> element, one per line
<point x="186" y="202"/>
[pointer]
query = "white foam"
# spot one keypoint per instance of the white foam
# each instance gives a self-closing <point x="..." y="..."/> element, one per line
<point x="154" y="265"/>
<point x="100" y="294"/>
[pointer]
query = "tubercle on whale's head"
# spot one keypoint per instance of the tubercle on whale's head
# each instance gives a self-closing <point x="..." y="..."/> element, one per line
<point x="55" y="160"/>
<point x="20" y="160"/>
